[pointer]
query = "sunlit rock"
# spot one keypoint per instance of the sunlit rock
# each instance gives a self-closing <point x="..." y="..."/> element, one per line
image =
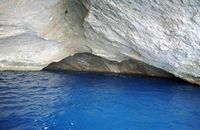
<point x="163" y="34"/>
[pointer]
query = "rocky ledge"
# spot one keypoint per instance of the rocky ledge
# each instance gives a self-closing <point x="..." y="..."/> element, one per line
<point x="91" y="63"/>
<point x="158" y="33"/>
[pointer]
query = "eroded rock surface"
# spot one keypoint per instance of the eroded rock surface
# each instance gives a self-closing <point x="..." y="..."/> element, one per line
<point x="163" y="34"/>
<point x="35" y="33"/>
<point x="91" y="63"/>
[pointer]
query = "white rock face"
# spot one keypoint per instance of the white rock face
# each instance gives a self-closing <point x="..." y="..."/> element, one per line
<point x="161" y="33"/>
<point x="34" y="33"/>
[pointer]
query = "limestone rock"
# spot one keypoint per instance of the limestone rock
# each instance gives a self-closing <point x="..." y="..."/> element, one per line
<point x="35" y="33"/>
<point x="163" y="34"/>
<point x="91" y="63"/>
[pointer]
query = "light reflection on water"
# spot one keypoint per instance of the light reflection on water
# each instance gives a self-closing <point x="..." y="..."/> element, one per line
<point x="46" y="100"/>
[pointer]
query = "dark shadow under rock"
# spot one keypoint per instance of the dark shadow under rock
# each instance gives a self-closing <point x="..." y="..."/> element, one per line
<point x="91" y="63"/>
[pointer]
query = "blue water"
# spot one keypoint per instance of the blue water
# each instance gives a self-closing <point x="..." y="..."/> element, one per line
<point x="86" y="101"/>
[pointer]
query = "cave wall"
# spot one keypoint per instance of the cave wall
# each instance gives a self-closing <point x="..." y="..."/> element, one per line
<point x="87" y="62"/>
<point x="163" y="34"/>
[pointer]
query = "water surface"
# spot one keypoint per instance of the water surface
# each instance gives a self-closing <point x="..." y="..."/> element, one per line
<point x="86" y="101"/>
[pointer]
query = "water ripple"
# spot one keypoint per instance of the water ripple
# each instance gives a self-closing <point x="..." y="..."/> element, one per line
<point x="44" y="100"/>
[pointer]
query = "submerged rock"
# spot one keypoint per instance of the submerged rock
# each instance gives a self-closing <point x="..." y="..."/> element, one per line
<point x="163" y="34"/>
